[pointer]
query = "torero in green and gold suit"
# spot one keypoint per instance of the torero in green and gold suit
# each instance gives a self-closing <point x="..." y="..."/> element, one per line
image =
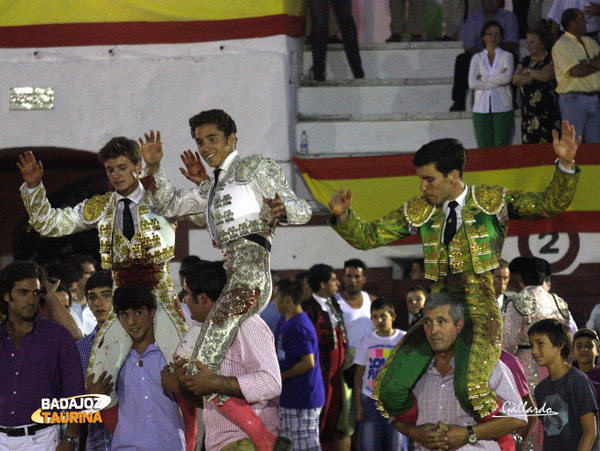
<point x="462" y="268"/>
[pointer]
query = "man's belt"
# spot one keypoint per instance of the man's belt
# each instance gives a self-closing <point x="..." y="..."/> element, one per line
<point x="581" y="93"/>
<point x="258" y="239"/>
<point x="23" y="430"/>
<point x="524" y="347"/>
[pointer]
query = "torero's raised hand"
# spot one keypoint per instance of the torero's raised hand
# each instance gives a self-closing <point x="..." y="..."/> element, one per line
<point x="194" y="169"/>
<point x="340" y="203"/>
<point x="566" y="147"/>
<point x="152" y="151"/>
<point x="31" y="170"/>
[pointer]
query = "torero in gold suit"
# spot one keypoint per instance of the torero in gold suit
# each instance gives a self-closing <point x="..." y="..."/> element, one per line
<point x="462" y="230"/>
<point x="140" y="258"/>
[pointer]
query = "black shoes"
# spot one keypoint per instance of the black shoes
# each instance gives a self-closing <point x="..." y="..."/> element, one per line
<point x="358" y="72"/>
<point x="395" y="37"/>
<point x="316" y="76"/>
<point x="456" y="107"/>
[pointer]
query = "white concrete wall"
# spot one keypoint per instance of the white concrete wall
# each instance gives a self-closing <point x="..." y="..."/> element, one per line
<point x="101" y="92"/>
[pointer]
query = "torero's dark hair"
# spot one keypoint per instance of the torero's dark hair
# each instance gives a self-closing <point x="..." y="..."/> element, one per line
<point x="219" y="118"/>
<point x="447" y="154"/>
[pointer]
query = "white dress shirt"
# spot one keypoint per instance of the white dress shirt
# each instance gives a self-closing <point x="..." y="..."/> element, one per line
<point x="135" y="197"/>
<point x="460" y="200"/>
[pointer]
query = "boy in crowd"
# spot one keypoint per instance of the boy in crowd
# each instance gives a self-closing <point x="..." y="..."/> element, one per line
<point x="161" y="425"/>
<point x="586" y="347"/>
<point x="567" y="392"/>
<point x="98" y="294"/>
<point x="415" y="300"/>
<point x="302" y="392"/>
<point x="373" y="351"/>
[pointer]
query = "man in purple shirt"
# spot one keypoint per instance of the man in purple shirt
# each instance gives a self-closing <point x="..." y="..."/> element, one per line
<point x="39" y="360"/>
<point x="473" y="44"/>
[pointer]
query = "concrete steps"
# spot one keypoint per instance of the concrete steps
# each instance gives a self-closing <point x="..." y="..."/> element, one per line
<point x="375" y="97"/>
<point x="393" y="61"/>
<point x="396" y="133"/>
<point x="402" y="103"/>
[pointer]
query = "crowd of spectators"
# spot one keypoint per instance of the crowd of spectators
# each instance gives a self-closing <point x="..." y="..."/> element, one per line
<point x="559" y="78"/>
<point x="330" y="344"/>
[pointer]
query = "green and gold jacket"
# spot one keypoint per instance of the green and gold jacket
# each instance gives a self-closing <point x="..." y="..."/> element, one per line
<point x="478" y="242"/>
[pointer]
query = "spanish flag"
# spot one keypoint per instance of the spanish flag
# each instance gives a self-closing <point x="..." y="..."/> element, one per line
<point x="29" y="23"/>
<point x="382" y="183"/>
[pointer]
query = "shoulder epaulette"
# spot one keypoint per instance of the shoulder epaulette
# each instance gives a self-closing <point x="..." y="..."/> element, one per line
<point x="247" y="166"/>
<point x="489" y="199"/>
<point x="418" y="211"/>
<point x="562" y="306"/>
<point x="94" y="208"/>
<point x="525" y="302"/>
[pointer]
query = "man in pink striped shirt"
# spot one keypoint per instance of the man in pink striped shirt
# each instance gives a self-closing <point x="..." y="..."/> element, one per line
<point x="249" y="372"/>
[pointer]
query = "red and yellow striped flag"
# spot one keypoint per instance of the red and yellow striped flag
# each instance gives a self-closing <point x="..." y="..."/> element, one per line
<point x="382" y="183"/>
<point x="27" y="23"/>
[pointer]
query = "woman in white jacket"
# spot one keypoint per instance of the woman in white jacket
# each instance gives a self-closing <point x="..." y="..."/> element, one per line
<point x="490" y="75"/>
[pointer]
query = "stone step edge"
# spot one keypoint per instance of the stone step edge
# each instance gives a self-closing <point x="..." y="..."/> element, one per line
<point x="368" y="82"/>
<point x="427" y="45"/>
<point x="396" y="46"/>
<point x="398" y="117"/>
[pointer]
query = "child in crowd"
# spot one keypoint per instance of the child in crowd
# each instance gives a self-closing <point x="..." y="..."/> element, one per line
<point x="371" y="354"/>
<point x="566" y="396"/>
<point x="586" y="349"/>
<point x="415" y="300"/>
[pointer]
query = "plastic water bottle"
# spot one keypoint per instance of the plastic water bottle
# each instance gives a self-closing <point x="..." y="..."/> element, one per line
<point x="303" y="144"/>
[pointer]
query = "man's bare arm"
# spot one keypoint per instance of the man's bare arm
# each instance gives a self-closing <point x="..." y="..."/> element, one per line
<point x="306" y="363"/>
<point x="524" y="431"/>
<point x="497" y="427"/>
<point x="590" y="432"/>
<point x="583" y="70"/>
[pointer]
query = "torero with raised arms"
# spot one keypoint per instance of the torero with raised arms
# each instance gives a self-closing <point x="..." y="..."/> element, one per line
<point x="462" y="230"/>
<point x="241" y="203"/>
<point x="136" y="244"/>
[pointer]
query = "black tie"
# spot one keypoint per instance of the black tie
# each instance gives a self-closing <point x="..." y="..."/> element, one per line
<point x="212" y="228"/>
<point x="450" y="229"/>
<point x="214" y="187"/>
<point x="128" y="228"/>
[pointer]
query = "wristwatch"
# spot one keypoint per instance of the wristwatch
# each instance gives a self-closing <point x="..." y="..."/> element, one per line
<point x="472" y="435"/>
<point x="72" y="439"/>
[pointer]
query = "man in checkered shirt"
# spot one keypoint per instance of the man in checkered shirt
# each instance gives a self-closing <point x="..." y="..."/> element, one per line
<point x="442" y="421"/>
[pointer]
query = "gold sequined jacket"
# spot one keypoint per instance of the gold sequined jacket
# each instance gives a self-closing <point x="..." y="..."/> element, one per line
<point x="239" y="207"/>
<point x="477" y="245"/>
<point x="152" y="244"/>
